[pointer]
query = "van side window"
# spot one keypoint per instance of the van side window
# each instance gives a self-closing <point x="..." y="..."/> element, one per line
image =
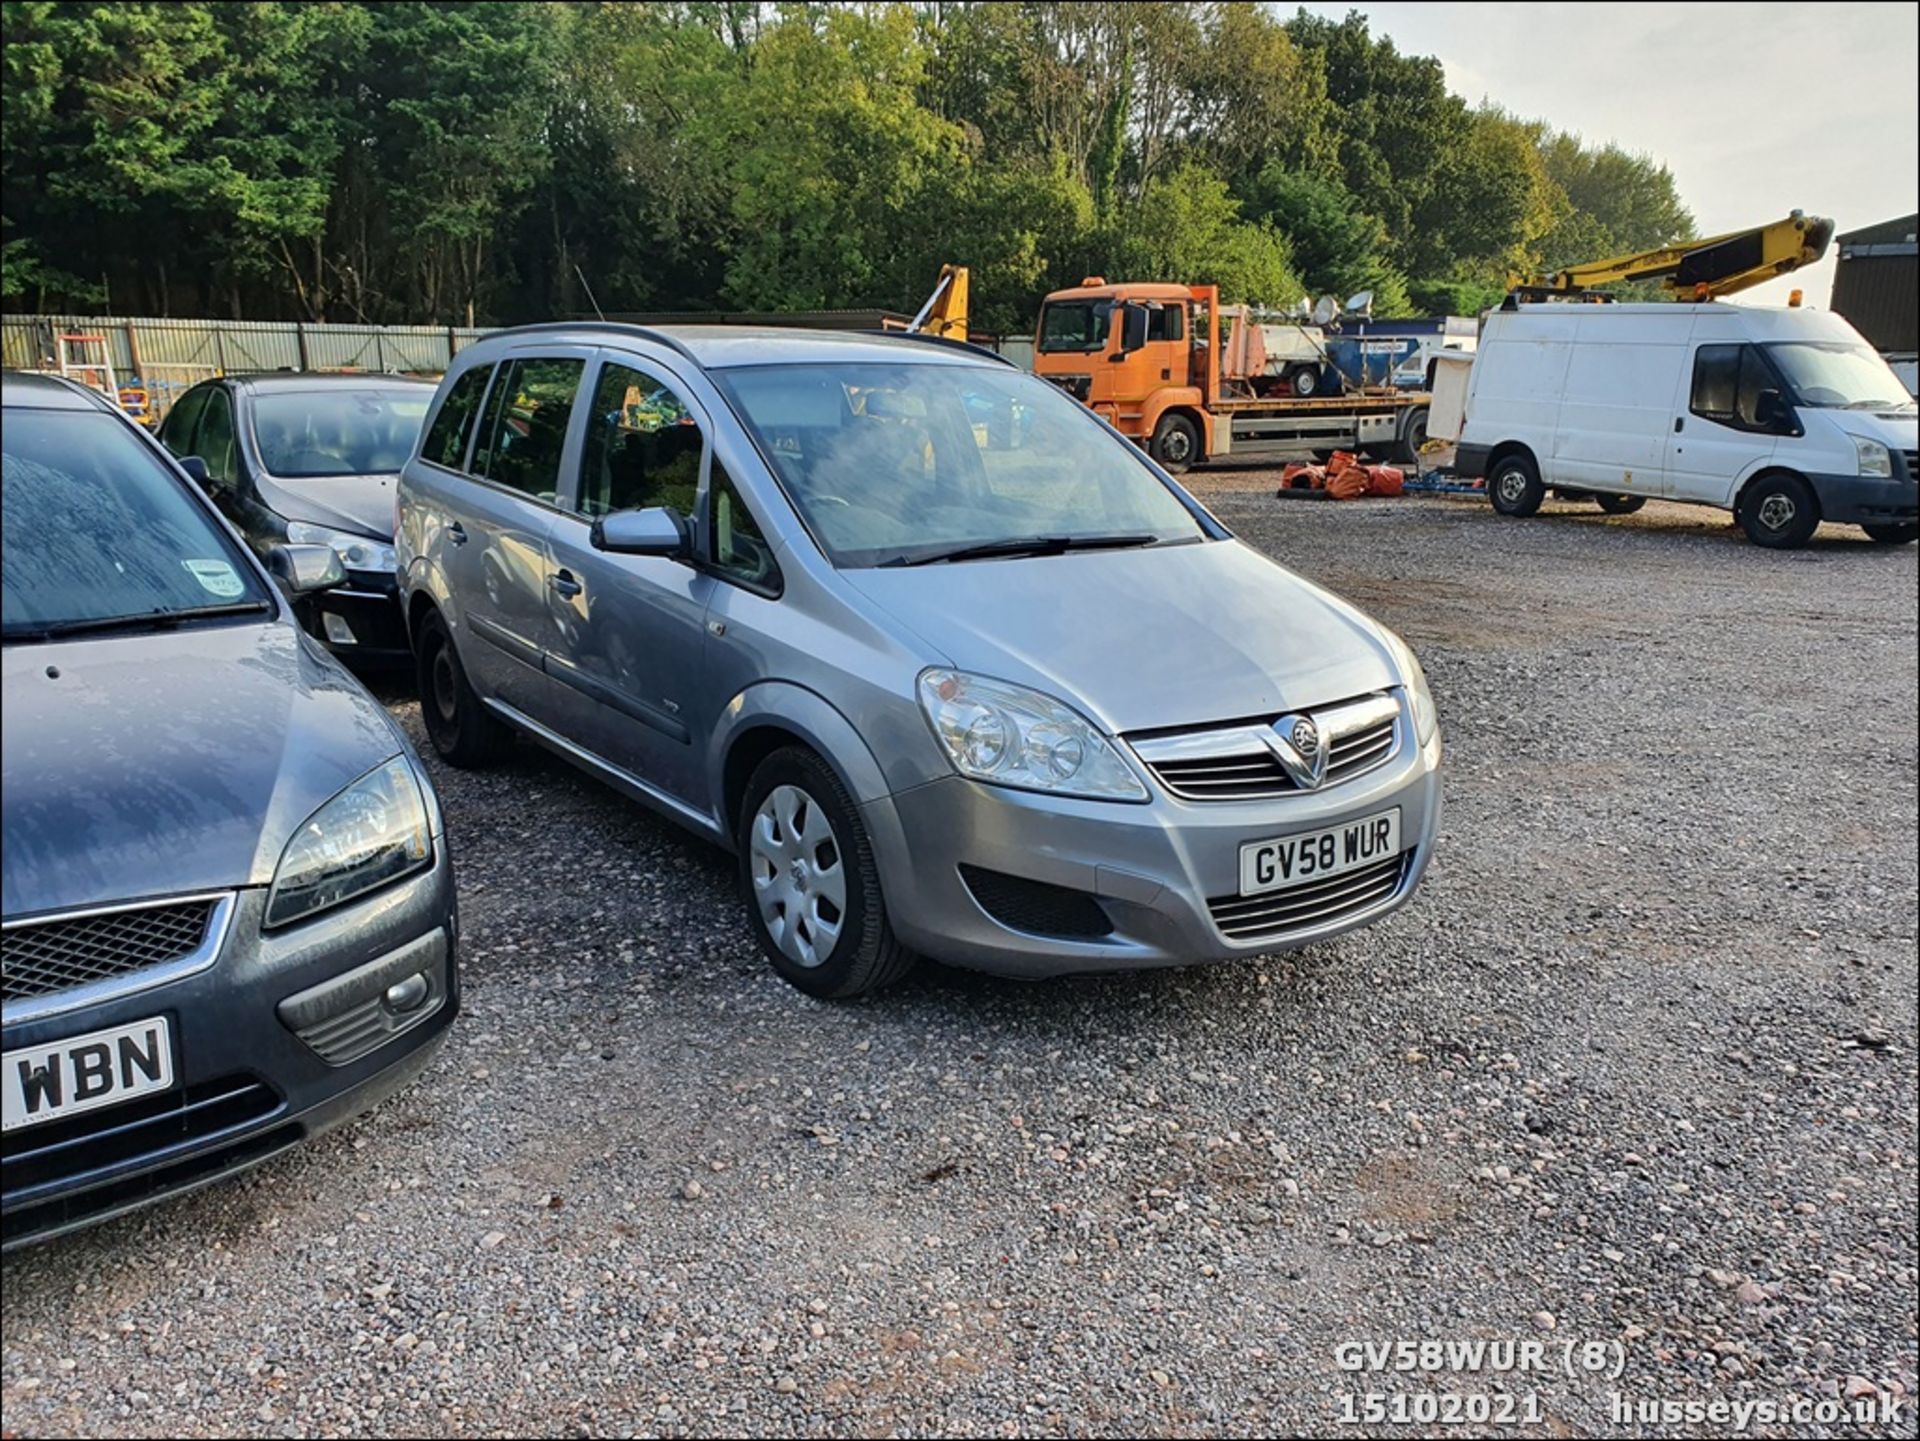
<point x="740" y="549"/>
<point x="525" y="427"/>
<point x="643" y="445"/>
<point x="446" y="442"/>
<point x="1727" y="381"/>
<point x="1167" y="323"/>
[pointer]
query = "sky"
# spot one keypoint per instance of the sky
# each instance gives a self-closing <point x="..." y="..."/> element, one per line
<point x="1757" y="109"/>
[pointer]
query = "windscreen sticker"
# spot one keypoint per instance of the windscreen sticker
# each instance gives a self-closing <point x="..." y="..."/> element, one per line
<point x="217" y="576"/>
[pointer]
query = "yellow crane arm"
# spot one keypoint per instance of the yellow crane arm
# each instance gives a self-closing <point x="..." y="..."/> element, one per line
<point x="1701" y="269"/>
<point x="945" y="313"/>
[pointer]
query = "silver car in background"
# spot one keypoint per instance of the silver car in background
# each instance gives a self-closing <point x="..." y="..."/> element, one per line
<point x="952" y="667"/>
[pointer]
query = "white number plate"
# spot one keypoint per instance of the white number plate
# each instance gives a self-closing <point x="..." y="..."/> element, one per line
<point x="1294" y="860"/>
<point x="83" y="1073"/>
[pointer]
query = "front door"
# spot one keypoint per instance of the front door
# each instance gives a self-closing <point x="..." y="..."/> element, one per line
<point x="628" y="629"/>
<point x="1718" y="437"/>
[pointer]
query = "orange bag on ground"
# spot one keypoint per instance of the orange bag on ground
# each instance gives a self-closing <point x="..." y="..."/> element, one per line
<point x="1348" y="484"/>
<point x="1302" y="477"/>
<point x="1386" y="480"/>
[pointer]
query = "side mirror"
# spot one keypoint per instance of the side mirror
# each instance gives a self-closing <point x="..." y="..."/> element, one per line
<point x="1133" y="329"/>
<point x="304" y="569"/>
<point x="1770" y="409"/>
<point x="194" y="466"/>
<point x="657" y="530"/>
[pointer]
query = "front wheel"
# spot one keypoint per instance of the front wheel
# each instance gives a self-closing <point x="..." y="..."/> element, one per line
<point x="1306" y="382"/>
<point x="1892" y="534"/>
<point x="811" y="884"/>
<point x="1514" y="487"/>
<point x="1176" y="444"/>
<point x="1779" y="512"/>
<point x="1620" y="504"/>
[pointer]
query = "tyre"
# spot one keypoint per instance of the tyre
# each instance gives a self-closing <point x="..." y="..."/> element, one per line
<point x="1778" y="511"/>
<point x="1892" y="534"/>
<point x="1306" y="382"/>
<point x="1514" y="485"/>
<point x="1176" y="443"/>
<point x="1614" y="504"/>
<point x="1413" y="435"/>
<point x="811" y="886"/>
<point x="463" y="731"/>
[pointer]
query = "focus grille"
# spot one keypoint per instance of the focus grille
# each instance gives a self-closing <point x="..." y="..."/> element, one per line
<point x="58" y="955"/>
<point x="1277" y="914"/>
<point x="1913" y="464"/>
<point x="1249" y="775"/>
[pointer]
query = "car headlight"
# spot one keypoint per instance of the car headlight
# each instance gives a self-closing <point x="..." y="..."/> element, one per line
<point x="356" y="552"/>
<point x="1875" y="458"/>
<point x="374" y="831"/>
<point x="1426" y="715"/>
<point x="1009" y="735"/>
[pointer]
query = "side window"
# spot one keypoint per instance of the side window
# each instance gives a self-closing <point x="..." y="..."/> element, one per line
<point x="1167" y="323"/>
<point x="1716" y="380"/>
<point x="446" y="442"/>
<point x="215" y="442"/>
<point x="526" y="425"/>
<point x="643" y="445"/>
<point x="177" y="430"/>
<point x="740" y="548"/>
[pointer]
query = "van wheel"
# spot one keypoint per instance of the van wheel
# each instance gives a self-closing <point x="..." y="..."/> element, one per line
<point x="1514" y="487"/>
<point x="1779" y="512"/>
<point x="463" y="731"/>
<point x="1892" y="534"/>
<point x="1176" y="444"/>
<point x="1305" y="382"/>
<point x="1620" y="504"/>
<point x="810" y="882"/>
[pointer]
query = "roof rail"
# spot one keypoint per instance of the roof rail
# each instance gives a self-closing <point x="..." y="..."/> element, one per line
<point x="645" y="332"/>
<point x="943" y="341"/>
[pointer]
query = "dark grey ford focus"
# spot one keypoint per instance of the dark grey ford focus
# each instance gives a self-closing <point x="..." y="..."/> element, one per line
<point x="228" y="908"/>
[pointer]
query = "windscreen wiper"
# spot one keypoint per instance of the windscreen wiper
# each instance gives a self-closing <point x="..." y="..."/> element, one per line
<point x="1025" y="545"/>
<point x="150" y="620"/>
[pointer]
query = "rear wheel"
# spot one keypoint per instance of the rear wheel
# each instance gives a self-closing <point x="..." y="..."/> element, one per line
<point x="1620" y="504"/>
<point x="1514" y="486"/>
<point x="811" y="884"/>
<point x="1892" y="534"/>
<point x="1176" y="443"/>
<point x="1413" y="435"/>
<point x="463" y="731"/>
<point x="1779" y="511"/>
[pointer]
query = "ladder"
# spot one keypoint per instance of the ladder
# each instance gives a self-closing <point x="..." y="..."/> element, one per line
<point x="85" y="358"/>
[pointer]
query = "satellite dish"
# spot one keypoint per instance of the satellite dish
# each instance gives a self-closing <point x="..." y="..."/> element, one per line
<point x="1361" y="303"/>
<point x="1324" y="309"/>
<point x="1303" y="307"/>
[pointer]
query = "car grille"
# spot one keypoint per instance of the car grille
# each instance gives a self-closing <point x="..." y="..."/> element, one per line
<point x="149" y="1132"/>
<point x="39" y="958"/>
<point x="1022" y="904"/>
<point x="1913" y="464"/>
<point x="1279" y="914"/>
<point x="1236" y="764"/>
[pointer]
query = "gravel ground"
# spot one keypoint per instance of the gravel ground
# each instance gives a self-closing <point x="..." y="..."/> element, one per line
<point x="1637" y="1067"/>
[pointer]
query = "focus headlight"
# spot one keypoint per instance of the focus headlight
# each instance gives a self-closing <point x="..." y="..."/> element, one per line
<point x="373" y="832"/>
<point x="1875" y="458"/>
<point x="356" y="552"/>
<point x="1012" y="736"/>
<point x="1426" y="716"/>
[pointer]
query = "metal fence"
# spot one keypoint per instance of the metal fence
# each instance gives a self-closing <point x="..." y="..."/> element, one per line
<point x="165" y="357"/>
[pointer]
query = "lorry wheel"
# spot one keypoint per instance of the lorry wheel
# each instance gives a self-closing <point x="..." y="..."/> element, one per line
<point x="1514" y="487"/>
<point x="1176" y="444"/>
<point x="1413" y="435"/>
<point x="1614" y="504"/>
<point x="1892" y="534"/>
<point x="1306" y="382"/>
<point x="1779" y="511"/>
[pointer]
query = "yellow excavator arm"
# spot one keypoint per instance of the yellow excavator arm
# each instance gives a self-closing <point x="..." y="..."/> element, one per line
<point x="1698" y="269"/>
<point x="945" y="313"/>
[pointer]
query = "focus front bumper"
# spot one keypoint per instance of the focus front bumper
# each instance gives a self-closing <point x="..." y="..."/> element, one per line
<point x="247" y="1085"/>
<point x="1866" y="500"/>
<point x="1151" y="868"/>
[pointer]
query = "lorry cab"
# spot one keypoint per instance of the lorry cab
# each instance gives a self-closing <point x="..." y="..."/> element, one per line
<point x="1784" y="416"/>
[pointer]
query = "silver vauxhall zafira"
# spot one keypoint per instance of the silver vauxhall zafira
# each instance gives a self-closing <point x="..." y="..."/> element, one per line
<point x="951" y="666"/>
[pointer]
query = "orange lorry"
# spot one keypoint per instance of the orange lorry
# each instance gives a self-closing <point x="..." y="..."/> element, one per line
<point x="1149" y="359"/>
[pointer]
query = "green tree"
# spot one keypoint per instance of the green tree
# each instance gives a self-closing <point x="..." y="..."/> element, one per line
<point x="1337" y="248"/>
<point x="1186" y="226"/>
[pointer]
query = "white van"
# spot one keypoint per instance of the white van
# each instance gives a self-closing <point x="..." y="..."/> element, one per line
<point x="1785" y="417"/>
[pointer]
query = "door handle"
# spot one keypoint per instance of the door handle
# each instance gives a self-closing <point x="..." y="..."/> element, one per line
<point x="457" y="533"/>
<point x="1679" y="424"/>
<point x="564" y="584"/>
